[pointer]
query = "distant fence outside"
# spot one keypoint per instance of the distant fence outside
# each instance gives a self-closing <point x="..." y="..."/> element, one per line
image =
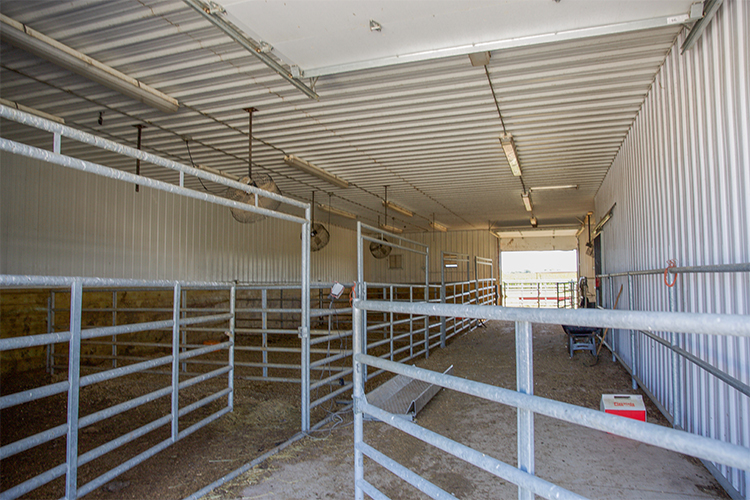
<point x="540" y="294"/>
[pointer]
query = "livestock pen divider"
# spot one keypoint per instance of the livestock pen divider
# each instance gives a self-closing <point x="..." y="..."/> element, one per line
<point x="523" y="475"/>
<point x="75" y="381"/>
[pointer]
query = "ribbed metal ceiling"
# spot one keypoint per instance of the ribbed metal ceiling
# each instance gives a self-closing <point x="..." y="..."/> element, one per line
<point x="429" y="130"/>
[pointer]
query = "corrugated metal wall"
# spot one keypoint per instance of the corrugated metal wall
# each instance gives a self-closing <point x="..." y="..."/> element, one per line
<point x="681" y="183"/>
<point x="473" y="243"/>
<point x="57" y="221"/>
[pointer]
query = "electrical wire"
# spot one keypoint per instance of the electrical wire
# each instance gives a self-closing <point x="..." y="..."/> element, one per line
<point x="192" y="164"/>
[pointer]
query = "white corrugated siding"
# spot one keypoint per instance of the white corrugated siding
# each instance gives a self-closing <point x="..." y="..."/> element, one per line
<point x="681" y="184"/>
<point x="473" y="243"/>
<point x="57" y="221"/>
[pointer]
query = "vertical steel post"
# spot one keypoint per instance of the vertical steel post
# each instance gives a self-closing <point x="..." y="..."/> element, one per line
<point x="360" y="342"/>
<point x="391" y="323"/>
<point x="426" y="300"/>
<point x="305" y="320"/>
<point x="442" y="300"/>
<point x="114" y="323"/>
<point x="57" y="143"/>
<point x="411" y="325"/>
<point x="50" y="329"/>
<point x="74" y="388"/>
<point x="525" y="385"/>
<point x="358" y="388"/>
<point x="385" y="315"/>
<point x="631" y="305"/>
<point x="232" y="326"/>
<point x="675" y="362"/>
<point x="264" y="327"/>
<point x="612" y="301"/>
<point x="365" y="329"/>
<point x="184" y="330"/>
<point x="176" y="360"/>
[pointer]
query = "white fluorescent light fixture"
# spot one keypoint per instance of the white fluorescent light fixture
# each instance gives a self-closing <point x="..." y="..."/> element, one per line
<point x="438" y="227"/>
<point x="26" y="109"/>
<point x="554" y="188"/>
<point x="337" y="211"/>
<point x="21" y="36"/>
<point x="306" y="166"/>
<point x="526" y="197"/>
<point x="391" y="229"/>
<point x="399" y="209"/>
<point x="534" y="222"/>
<point x="509" y="147"/>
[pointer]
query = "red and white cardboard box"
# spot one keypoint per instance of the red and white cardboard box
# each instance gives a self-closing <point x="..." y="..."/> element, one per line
<point x="625" y="405"/>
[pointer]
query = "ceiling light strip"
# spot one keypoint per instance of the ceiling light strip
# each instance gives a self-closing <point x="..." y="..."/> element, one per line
<point x="392" y="229"/>
<point x="526" y="197"/>
<point x="509" y="147"/>
<point x="554" y="188"/>
<point x="438" y="227"/>
<point x="21" y="36"/>
<point x="306" y="166"/>
<point x="398" y="208"/>
<point x="337" y="211"/>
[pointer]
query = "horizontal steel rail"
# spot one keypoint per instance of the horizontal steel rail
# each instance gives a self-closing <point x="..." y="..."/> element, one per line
<point x="493" y="466"/>
<point x="407" y="475"/>
<point x="663" y="437"/>
<point x="714" y="324"/>
<point x="140" y="180"/>
<point x="723" y="376"/>
<point x="30" y="281"/>
<point x="108" y="145"/>
<point x="717" y="268"/>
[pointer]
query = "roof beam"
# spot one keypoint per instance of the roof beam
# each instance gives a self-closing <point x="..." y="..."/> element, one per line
<point x="213" y="13"/>
<point x="524" y="41"/>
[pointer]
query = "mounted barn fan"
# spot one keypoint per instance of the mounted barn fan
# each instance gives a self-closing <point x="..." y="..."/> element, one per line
<point x="319" y="235"/>
<point x="261" y="181"/>
<point x="380" y="251"/>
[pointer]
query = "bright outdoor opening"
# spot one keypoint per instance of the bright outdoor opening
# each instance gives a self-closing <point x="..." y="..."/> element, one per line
<point x="539" y="278"/>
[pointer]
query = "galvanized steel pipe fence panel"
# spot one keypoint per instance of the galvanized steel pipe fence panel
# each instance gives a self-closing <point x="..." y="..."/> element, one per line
<point x="74" y="337"/>
<point x="702" y="447"/>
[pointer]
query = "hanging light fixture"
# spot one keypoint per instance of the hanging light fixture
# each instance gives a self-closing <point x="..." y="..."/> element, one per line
<point x="438" y="227"/>
<point x="336" y="211"/>
<point x="307" y="167"/>
<point x="526" y="197"/>
<point x="21" y="36"/>
<point x="509" y="147"/>
<point x="398" y="208"/>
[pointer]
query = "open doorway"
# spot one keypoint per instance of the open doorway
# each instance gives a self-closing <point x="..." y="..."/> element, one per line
<point x="540" y="278"/>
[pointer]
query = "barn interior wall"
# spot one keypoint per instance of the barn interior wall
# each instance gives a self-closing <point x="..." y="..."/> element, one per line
<point x="680" y="187"/>
<point x="61" y="222"/>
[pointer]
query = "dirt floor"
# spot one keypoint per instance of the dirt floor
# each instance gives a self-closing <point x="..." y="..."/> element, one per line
<point x="321" y="466"/>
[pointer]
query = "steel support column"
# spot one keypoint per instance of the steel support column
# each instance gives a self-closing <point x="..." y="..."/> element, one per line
<point x="525" y="385"/>
<point x="74" y="388"/>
